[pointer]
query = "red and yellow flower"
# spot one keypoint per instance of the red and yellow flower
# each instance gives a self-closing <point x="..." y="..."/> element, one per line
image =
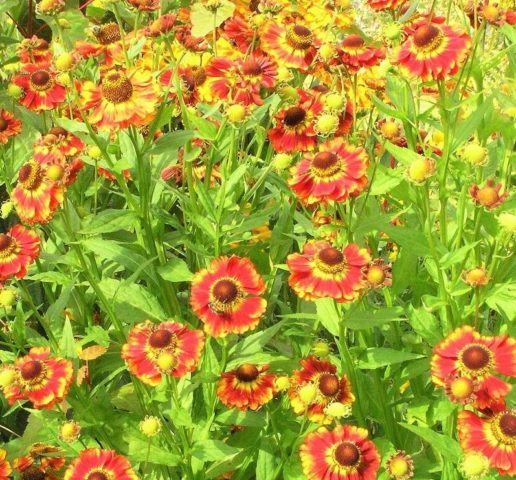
<point x="42" y="462"/>
<point x="193" y="83"/>
<point x="106" y="43"/>
<point x="466" y="353"/>
<point x="381" y="5"/>
<point x="19" y="247"/>
<point x="40" y="378"/>
<point x="329" y="388"/>
<point x="9" y="126"/>
<point x="36" y="197"/>
<point x="247" y="387"/>
<point x="355" y="54"/>
<point x="241" y="80"/>
<point x="41" y="89"/>
<point x="323" y="270"/>
<point x="433" y="51"/>
<point x="226" y="296"/>
<point x="378" y="274"/>
<point x="122" y="99"/>
<point x="489" y="196"/>
<point x="400" y="466"/>
<point x="294" y="128"/>
<point x="97" y="464"/>
<point x="344" y="453"/>
<point x="168" y="348"/>
<point x="292" y="46"/>
<point x="337" y="171"/>
<point x="34" y="50"/>
<point x="494" y="437"/>
<point x="5" y="466"/>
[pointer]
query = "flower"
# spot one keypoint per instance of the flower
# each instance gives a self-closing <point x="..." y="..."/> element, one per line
<point x="494" y="437"/>
<point x="343" y="453"/>
<point x="474" y="466"/>
<point x="466" y="353"/>
<point x="122" y="99"/>
<point x="507" y="221"/>
<point x="247" y="387"/>
<point x="421" y="169"/>
<point x="433" y="51"/>
<point x="461" y="390"/>
<point x="5" y="467"/>
<point x="42" y="462"/>
<point x="97" y="464"/>
<point x="400" y="466"/>
<point x="335" y="172"/>
<point x="355" y="54"/>
<point x="474" y="154"/>
<point x="40" y="378"/>
<point x="41" y="89"/>
<point x="378" y="274"/>
<point x="36" y="197"/>
<point x="145" y="5"/>
<point x="322" y="376"/>
<point x="226" y="296"/>
<point x="165" y="348"/>
<point x="69" y="431"/>
<point x="292" y="46"/>
<point x="150" y="426"/>
<point x="323" y="271"/>
<point x="380" y="5"/>
<point x="488" y="196"/>
<point x="19" y="247"/>
<point x="34" y="50"/>
<point x="476" y="277"/>
<point x="294" y="128"/>
<point x="9" y="126"/>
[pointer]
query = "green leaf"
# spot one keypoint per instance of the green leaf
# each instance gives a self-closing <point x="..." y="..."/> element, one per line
<point x="67" y="342"/>
<point x="176" y="270"/>
<point x="381" y="357"/>
<point x="212" y="450"/>
<point x="425" y="324"/>
<point x="204" y="128"/>
<point x="204" y="20"/>
<point x="328" y="314"/>
<point x="172" y="141"/>
<point x="467" y="127"/>
<point x="137" y="452"/>
<point x="403" y="155"/>
<point x="359" y="320"/>
<point x="265" y="464"/>
<point x="385" y="180"/>
<point x="501" y="298"/>
<point x="109" y="221"/>
<point x="247" y="419"/>
<point x="255" y="342"/>
<point x="451" y="258"/>
<point x="411" y="239"/>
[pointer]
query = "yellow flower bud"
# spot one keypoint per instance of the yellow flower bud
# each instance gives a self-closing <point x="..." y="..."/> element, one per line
<point x="474" y="154"/>
<point x="474" y="466"/>
<point x="284" y="74"/>
<point x="7" y="377"/>
<point x="150" y="426"/>
<point x="507" y="221"/>
<point x="8" y="297"/>
<point x="95" y="152"/>
<point x="476" y="277"/>
<point x="281" y="161"/>
<point x="390" y="129"/>
<point x="392" y="31"/>
<point x="282" y="383"/>
<point x="236" y="113"/>
<point x="421" y="169"/>
<point x="64" y="62"/>
<point x="307" y="393"/>
<point x="327" y="51"/>
<point x="335" y="102"/>
<point x="64" y="79"/>
<point x="14" y="91"/>
<point x="321" y="349"/>
<point x="6" y="209"/>
<point x="69" y="431"/>
<point x="166" y="361"/>
<point x="326" y="124"/>
<point x="338" y="410"/>
<point x="55" y="172"/>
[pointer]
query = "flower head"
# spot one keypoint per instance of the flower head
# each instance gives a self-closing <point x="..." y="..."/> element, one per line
<point x="97" y="464"/>
<point x="489" y="196"/>
<point x="9" y="126"/>
<point x="19" y="247"/>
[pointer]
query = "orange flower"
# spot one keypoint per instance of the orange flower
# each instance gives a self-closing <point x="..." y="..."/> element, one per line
<point x="162" y="25"/>
<point x="378" y="274"/>
<point x="97" y="464"/>
<point x="193" y="84"/>
<point x="337" y="171"/>
<point x="34" y="50"/>
<point x="40" y="378"/>
<point x="400" y="466"/>
<point x="36" y="197"/>
<point x="323" y="271"/>
<point x="41" y="90"/>
<point x="9" y="126"/>
<point x="466" y="353"/>
<point x="355" y="54"/>
<point x="226" y="296"/>
<point x="494" y="437"/>
<point x="122" y="99"/>
<point x="246" y="387"/>
<point x="5" y="467"/>
<point x="329" y="389"/>
<point x="166" y="348"/>
<point x="344" y="453"/>
<point x="292" y="46"/>
<point x="488" y="196"/>
<point x="108" y="43"/>
<point x="433" y="51"/>
<point x="380" y="5"/>
<point x="145" y="5"/>
<point x="41" y="462"/>
<point x="19" y="247"/>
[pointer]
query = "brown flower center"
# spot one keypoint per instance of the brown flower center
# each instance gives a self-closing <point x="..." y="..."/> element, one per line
<point x="32" y="473"/>
<point x="353" y="41"/>
<point x="507" y="424"/>
<point x="476" y="357"/>
<point x="97" y="476"/>
<point x="161" y="338"/>
<point x="225" y="291"/>
<point x="31" y="369"/>
<point x="30" y="176"/>
<point x="5" y="241"/>
<point x="41" y="80"/>
<point x="299" y="37"/>
<point x="194" y="77"/>
<point x="326" y="164"/>
<point x="116" y="87"/>
<point x="251" y="67"/>
<point x="427" y="37"/>
<point x="108" y="33"/>
<point x="247" y="372"/>
<point x="3" y="124"/>
<point x="347" y="454"/>
<point x="329" y="384"/>
<point x="294" y="116"/>
<point x="331" y="256"/>
<point x="58" y="132"/>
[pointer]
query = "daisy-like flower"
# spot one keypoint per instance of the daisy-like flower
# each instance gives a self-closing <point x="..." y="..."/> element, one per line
<point x="42" y="379"/>
<point x="97" y="464"/>
<point x="466" y="353"/>
<point x="494" y="437"/>
<point x="329" y="389"/>
<point x="19" y="247"/>
<point x="34" y="50"/>
<point x="400" y="466"/>
<point x="433" y="51"/>
<point x="167" y="348"/>
<point x="9" y="126"/>
<point x="161" y="26"/>
<point x="5" y="466"/>
<point x="294" y="128"/>
<point x="241" y="80"/>
<point x="381" y="5"/>
<point x="145" y="5"/>
<point x="489" y="195"/>
<point x="355" y="54"/>
<point x="42" y="462"/>
<point x="226" y="296"/>
<point x="378" y="274"/>
<point x="291" y="46"/>
<point x="36" y="197"/>
<point x="41" y="89"/>
<point x="323" y="16"/>
<point x="323" y="271"/>
<point x="343" y="453"/>
<point x="239" y="32"/>
<point x="193" y="84"/>
<point x="246" y="387"/>
<point x="122" y="99"/>
<point x="106" y="42"/>
<point x="337" y="171"/>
